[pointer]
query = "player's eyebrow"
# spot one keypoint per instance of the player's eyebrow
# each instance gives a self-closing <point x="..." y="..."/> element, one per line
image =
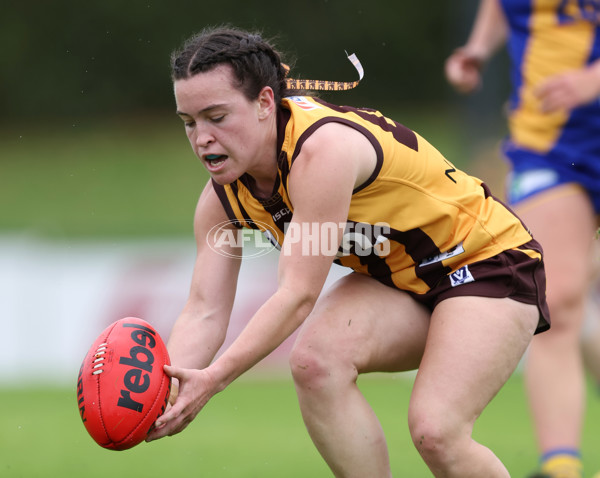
<point x="204" y="110"/>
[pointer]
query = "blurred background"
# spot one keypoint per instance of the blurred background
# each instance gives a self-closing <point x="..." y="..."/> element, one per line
<point x="98" y="182"/>
<point x="98" y="187"/>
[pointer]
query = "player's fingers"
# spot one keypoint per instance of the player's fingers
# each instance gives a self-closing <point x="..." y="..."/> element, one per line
<point x="177" y="408"/>
<point x="180" y="425"/>
<point x="174" y="393"/>
<point x="174" y="372"/>
<point x="543" y="89"/>
<point x="167" y="424"/>
<point x="454" y="68"/>
<point x="547" y="93"/>
<point x="463" y="73"/>
<point x="558" y="99"/>
<point x="185" y="406"/>
<point x="555" y="86"/>
<point x="164" y="429"/>
<point x="175" y="419"/>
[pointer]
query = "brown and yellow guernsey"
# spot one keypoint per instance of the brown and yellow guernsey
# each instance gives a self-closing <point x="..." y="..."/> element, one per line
<point x="436" y="218"/>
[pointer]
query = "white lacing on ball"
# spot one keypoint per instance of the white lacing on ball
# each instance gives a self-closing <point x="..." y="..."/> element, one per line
<point x="99" y="359"/>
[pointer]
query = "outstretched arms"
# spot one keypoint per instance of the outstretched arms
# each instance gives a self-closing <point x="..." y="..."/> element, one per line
<point x="332" y="163"/>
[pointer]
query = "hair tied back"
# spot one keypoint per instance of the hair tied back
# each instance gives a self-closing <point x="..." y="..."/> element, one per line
<point x="295" y="84"/>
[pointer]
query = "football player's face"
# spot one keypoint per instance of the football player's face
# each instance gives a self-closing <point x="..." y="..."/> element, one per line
<point x="224" y="127"/>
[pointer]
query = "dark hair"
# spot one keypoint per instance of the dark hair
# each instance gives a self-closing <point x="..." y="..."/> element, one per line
<point x="255" y="62"/>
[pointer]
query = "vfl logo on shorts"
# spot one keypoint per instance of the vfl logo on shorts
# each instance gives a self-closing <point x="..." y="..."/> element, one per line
<point x="461" y="276"/>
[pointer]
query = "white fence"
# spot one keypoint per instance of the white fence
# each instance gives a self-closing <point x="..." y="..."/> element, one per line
<point x="56" y="297"/>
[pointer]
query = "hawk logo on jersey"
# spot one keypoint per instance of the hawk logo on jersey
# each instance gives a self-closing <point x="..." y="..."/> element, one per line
<point x="461" y="276"/>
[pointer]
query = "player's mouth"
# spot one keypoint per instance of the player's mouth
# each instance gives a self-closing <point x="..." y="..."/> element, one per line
<point x="214" y="161"/>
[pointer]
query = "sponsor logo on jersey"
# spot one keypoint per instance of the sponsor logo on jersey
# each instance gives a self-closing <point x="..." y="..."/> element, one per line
<point x="303" y="103"/>
<point x="455" y="251"/>
<point x="281" y="214"/>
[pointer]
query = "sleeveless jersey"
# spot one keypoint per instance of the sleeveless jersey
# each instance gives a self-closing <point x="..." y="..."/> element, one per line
<point x="550" y="37"/>
<point x="414" y="221"/>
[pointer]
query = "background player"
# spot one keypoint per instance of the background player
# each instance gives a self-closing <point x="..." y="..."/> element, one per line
<point x="554" y="185"/>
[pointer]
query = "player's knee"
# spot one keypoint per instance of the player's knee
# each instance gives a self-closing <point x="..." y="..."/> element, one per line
<point x="316" y="367"/>
<point x="564" y="296"/>
<point x="433" y="436"/>
<point x="566" y="321"/>
<point x="434" y="447"/>
<point x="307" y="365"/>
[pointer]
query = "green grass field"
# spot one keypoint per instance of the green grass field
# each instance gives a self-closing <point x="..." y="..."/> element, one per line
<point x="98" y="180"/>
<point x="252" y="429"/>
<point x="136" y="179"/>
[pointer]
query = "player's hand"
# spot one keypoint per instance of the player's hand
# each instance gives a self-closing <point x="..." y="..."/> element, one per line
<point x="463" y="70"/>
<point x="195" y="389"/>
<point x="174" y="391"/>
<point x="569" y="90"/>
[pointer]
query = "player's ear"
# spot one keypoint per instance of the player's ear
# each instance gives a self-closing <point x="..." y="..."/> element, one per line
<point x="266" y="102"/>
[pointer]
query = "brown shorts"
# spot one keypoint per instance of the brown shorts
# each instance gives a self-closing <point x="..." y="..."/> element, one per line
<point x="511" y="273"/>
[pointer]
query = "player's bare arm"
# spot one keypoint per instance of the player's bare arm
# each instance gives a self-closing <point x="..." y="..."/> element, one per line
<point x="463" y="67"/>
<point x="200" y="330"/>
<point x="321" y="184"/>
<point x="208" y="308"/>
<point x="332" y="163"/>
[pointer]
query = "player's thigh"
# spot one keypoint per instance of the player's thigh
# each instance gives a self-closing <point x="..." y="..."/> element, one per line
<point x="562" y="220"/>
<point x="474" y="345"/>
<point x="371" y="326"/>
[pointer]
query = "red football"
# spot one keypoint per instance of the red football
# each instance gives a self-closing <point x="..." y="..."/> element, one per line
<point x="122" y="388"/>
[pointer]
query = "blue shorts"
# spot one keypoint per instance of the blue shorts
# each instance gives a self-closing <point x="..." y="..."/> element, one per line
<point x="532" y="173"/>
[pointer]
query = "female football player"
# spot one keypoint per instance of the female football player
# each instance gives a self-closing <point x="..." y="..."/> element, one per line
<point x="446" y="279"/>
